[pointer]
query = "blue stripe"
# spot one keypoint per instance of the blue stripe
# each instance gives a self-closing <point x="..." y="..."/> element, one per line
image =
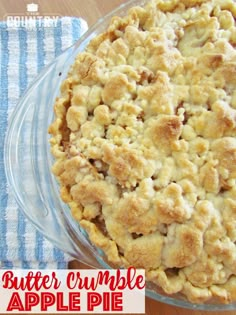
<point x="3" y="125"/>
<point x="59" y="257"/>
<point x="40" y="48"/>
<point x="39" y="248"/>
<point x="23" y="81"/>
<point x="42" y="265"/>
<point x="57" y="38"/>
<point x="25" y="265"/>
<point x="6" y="265"/>
<point x="76" y="29"/>
<point x="62" y="265"/>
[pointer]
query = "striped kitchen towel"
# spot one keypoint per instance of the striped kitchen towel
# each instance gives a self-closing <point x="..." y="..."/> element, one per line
<point x="24" y="51"/>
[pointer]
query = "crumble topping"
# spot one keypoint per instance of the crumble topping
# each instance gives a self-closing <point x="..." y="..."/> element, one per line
<point x="145" y="148"/>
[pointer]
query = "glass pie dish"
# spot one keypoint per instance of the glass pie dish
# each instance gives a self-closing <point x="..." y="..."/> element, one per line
<point x="28" y="163"/>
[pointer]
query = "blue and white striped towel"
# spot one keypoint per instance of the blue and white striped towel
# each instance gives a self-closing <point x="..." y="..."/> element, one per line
<point x="23" y="53"/>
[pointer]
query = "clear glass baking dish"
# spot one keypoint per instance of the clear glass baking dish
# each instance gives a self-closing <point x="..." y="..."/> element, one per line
<point x="28" y="164"/>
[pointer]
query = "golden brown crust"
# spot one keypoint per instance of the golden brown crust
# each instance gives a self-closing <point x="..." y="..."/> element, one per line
<point x="145" y="149"/>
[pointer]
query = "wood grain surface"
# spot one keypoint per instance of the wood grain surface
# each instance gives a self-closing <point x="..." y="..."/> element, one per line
<point x="91" y="11"/>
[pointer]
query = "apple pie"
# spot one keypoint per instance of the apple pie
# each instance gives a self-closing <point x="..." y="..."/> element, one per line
<point x="144" y="140"/>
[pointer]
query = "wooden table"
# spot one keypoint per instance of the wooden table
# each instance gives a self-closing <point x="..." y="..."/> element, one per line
<point x="90" y="10"/>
